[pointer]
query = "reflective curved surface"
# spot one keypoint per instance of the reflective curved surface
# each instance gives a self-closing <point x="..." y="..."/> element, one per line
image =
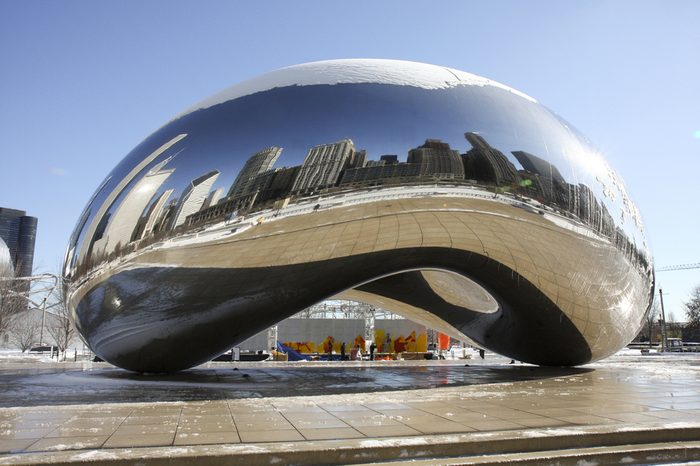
<point x="442" y="196"/>
<point x="6" y="269"/>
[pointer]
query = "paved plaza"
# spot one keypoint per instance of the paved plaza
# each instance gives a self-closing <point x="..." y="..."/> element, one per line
<point x="321" y="413"/>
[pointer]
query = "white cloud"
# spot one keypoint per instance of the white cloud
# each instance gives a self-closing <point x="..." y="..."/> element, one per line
<point x="58" y="171"/>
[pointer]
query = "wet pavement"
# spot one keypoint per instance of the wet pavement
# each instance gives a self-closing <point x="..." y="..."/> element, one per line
<point x="58" y="415"/>
<point x="220" y="381"/>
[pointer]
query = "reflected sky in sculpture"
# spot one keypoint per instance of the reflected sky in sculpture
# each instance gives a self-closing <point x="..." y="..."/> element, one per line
<point x="235" y="176"/>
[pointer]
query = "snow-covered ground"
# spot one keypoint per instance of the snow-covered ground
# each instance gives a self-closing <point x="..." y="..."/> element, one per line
<point x="15" y="356"/>
<point x="656" y="363"/>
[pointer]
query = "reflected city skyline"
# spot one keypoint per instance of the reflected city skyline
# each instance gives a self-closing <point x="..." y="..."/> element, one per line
<point x="225" y="136"/>
<point x="146" y="214"/>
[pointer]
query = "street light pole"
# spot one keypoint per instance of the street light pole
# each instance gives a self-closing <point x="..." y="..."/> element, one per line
<point x="43" y="321"/>
<point x="663" y="322"/>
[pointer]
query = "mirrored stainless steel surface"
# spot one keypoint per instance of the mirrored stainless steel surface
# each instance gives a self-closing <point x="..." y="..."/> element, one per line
<point x="443" y="196"/>
<point x="6" y="269"/>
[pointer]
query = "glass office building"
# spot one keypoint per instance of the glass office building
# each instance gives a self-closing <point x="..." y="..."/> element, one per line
<point x="18" y="231"/>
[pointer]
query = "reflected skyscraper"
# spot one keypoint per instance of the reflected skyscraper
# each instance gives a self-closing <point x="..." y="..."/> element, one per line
<point x="70" y="259"/>
<point x="281" y="184"/>
<point x="213" y="198"/>
<point x="377" y="172"/>
<point x="194" y="196"/>
<point x="105" y="204"/>
<point x="154" y="214"/>
<point x="537" y="165"/>
<point x="258" y="163"/>
<point x="323" y="166"/>
<point x="120" y="229"/>
<point x="484" y="163"/>
<point x="553" y="183"/>
<point x="436" y="159"/>
<point x="359" y="159"/>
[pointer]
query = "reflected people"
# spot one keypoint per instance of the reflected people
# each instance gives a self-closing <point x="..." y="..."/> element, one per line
<point x="442" y="196"/>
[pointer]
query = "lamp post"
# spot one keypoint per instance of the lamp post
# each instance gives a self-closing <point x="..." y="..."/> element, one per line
<point x="663" y="322"/>
<point x="43" y="321"/>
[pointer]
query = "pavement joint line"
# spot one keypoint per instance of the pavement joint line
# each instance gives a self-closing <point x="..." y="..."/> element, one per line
<point x="233" y="419"/>
<point x="116" y="428"/>
<point x="365" y="450"/>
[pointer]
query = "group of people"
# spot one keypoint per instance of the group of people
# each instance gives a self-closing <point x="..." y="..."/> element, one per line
<point x="356" y="352"/>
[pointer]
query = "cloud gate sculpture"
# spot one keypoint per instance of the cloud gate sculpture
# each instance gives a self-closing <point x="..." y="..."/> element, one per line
<point x="445" y="197"/>
<point x="6" y="268"/>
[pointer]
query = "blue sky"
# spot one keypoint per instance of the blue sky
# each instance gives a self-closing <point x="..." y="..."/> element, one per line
<point x="83" y="82"/>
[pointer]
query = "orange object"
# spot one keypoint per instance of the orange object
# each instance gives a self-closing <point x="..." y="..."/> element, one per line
<point x="359" y="342"/>
<point x="400" y="344"/>
<point x="328" y="344"/>
<point x="443" y="341"/>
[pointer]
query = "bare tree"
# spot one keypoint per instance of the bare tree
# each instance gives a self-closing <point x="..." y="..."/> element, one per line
<point x="16" y="294"/>
<point x="12" y="301"/>
<point x="692" y="308"/>
<point x="650" y="319"/>
<point x="23" y="331"/>
<point x="61" y="327"/>
<point x="691" y="332"/>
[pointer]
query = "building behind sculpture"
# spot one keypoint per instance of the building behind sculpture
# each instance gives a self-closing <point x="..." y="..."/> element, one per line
<point x="18" y="231"/>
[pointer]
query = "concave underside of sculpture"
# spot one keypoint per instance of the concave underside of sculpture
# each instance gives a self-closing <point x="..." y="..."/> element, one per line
<point x="442" y="196"/>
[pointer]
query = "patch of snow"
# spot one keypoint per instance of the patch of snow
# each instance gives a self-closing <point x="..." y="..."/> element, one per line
<point x="172" y="451"/>
<point x="355" y="71"/>
<point x="586" y="463"/>
<point x="535" y="433"/>
<point x="95" y="455"/>
<point x="393" y="442"/>
<point x="71" y="446"/>
<point x="244" y="448"/>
